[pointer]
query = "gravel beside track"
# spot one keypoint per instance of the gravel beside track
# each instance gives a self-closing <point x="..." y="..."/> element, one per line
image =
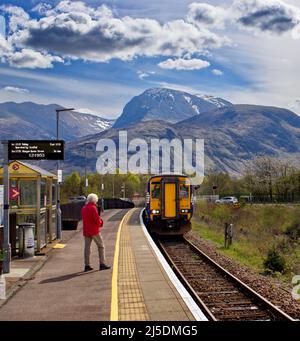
<point x="265" y="286"/>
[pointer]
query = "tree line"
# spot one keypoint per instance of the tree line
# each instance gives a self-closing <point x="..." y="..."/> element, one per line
<point x="264" y="179"/>
<point x="106" y="186"/>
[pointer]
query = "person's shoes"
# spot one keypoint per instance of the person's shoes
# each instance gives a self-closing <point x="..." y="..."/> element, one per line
<point x="104" y="267"/>
<point x="87" y="268"/>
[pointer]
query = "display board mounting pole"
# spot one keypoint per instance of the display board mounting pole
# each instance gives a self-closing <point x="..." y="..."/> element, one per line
<point x="6" y="245"/>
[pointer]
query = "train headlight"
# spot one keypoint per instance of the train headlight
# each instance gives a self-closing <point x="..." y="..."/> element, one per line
<point x="155" y="211"/>
<point x="184" y="211"/>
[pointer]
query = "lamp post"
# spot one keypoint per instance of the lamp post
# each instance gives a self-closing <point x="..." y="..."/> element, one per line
<point x="85" y="168"/>
<point x="6" y="244"/>
<point x="58" y="210"/>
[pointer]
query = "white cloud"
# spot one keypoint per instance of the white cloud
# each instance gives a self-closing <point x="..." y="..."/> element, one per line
<point x="70" y="91"/>
<point x="18" y="17"/>
<point x="217" y="72"/>
<point x="31" y="59"/>
<point x="142" y="75"/>
<point x="42" y="8"/>
<point x="75" y="30"/>
<point x="274" y="16"/>
<point x="268" y="67"/>
<point x="4" y="46"/>
<point x="206" y="14"/>
<point x="184" y="64"/>
<point x="15" y="89"/>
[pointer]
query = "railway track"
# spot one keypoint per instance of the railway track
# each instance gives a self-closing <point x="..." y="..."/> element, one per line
<point x="221" y="295"/>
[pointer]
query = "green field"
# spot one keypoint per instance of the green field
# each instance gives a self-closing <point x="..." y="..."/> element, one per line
<point x="259" y="230"/>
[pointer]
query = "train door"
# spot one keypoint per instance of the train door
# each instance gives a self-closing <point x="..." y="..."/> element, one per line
<point x="169" y="200"/>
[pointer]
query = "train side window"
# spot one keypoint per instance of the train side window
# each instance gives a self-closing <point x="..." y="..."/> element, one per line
<point x="155" y="194"/>
<point x="184" y="191"/>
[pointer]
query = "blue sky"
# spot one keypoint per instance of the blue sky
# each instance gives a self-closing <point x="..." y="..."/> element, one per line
<point x="99" y="54"/>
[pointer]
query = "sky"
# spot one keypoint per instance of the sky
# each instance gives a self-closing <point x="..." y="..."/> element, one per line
<point x="97" y="55"/>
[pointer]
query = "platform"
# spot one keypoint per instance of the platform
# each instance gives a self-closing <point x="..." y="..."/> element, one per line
<point x="137" y="287"/>
<point x="144" y="290"/>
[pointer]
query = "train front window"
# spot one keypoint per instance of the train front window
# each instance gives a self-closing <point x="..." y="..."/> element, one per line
<point x="184" y="191"/>
<point x="155" y="193"/>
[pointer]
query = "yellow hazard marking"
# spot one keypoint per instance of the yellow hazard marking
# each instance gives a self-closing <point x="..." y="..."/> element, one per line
<point x="114" y="307"/>
<point x="59" y="246"/>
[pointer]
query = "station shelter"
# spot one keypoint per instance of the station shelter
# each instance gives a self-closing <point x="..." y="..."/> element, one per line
<point x="32" y="200"/>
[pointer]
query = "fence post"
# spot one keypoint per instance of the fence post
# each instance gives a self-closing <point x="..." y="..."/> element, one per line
<point x="228" y="234"/>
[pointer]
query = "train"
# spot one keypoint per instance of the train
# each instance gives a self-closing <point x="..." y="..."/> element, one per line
<point x="169" y="204"/>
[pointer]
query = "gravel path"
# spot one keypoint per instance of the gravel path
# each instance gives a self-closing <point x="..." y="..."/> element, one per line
<point x="265" y="286"/>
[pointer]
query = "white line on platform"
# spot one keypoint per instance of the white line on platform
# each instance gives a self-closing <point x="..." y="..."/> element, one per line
<point x="187" y="298"/>
<point x="17" y="272"/>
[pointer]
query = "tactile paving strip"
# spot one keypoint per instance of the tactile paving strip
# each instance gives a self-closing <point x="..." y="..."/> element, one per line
<point x="131" y="301"/>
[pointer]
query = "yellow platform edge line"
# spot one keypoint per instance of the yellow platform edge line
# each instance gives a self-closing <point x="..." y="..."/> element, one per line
<point x="114" y="306"/>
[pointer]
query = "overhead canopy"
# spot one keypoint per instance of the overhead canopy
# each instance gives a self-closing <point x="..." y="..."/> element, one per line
<point x="23" y="169"/>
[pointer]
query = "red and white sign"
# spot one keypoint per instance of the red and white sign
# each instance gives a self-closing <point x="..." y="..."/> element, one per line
<point x="15" y="167"/>
<point x="14" y="193"/>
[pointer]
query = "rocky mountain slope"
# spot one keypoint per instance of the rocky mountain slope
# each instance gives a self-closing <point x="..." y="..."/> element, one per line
<point x="233" y="135"/>
<point x="167" y="105"/>
<point x="36" y="121"/>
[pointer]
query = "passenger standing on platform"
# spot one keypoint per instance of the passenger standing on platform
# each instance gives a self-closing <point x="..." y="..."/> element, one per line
<point x="92" y="223"/>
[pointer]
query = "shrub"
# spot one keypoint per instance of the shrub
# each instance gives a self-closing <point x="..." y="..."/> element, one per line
<point x="293" y="231"/>
<point x="222" y="214"/>
<point x="274" y="261"/>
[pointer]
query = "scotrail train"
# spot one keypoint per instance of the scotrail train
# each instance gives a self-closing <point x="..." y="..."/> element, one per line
<point x="169" y="204"/>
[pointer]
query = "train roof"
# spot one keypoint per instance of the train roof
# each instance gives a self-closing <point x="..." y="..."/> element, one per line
<point x="168" y="175"/>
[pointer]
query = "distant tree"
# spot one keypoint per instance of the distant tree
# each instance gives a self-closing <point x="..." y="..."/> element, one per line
<point x="269" y="176"/>
<point x="72" y="184"/>
<point x="224" y="183"/>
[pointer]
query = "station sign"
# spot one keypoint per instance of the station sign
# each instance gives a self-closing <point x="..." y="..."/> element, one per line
<point x="36" y="150"/>
<point x="14" y="193"/>
<point x="59" y="176"/>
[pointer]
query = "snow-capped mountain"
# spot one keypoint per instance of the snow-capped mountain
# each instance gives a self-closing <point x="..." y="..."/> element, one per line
<point x="232" y="135"/>
<point x="36" y="121"/>
<point x="217" y="101"/>
<point x="93" y="120"/>
<point x="167" y="105"/>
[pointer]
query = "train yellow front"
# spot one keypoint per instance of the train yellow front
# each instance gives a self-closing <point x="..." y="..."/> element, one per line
<point x="169" y="204"/>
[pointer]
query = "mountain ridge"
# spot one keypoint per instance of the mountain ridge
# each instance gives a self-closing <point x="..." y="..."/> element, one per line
<point x="20" y="120"/>
<point x="166" y="104"/>
<point x="232" y="135"/>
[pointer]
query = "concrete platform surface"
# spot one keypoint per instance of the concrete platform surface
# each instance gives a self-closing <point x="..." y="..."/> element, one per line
<point x="61" y="291"/>
<point x="137" y="288"/>
<point x="144" y="289"/>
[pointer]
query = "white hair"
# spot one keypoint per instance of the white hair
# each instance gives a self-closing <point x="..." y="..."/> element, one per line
<point x="92" y="198"/>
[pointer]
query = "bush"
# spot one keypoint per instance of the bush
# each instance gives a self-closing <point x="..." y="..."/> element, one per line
<point x="222" y="214"/>
<point x="274" y="261"/>
<point x="293" y="231"/>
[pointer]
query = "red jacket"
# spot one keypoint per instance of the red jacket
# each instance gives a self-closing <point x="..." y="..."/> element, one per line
<point x="91" y="220"/>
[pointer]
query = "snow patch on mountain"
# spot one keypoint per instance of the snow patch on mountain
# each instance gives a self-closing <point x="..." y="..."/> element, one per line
<point x="218" y="102"/>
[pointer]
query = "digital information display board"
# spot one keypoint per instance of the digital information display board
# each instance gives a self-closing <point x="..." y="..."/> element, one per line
<point x="36" y="150"/>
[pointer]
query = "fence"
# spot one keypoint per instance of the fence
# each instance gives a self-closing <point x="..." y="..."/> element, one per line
<point x="71" y="212"/>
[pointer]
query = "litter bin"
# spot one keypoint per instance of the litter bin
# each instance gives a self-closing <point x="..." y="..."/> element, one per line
<point x="26" y="240"/>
